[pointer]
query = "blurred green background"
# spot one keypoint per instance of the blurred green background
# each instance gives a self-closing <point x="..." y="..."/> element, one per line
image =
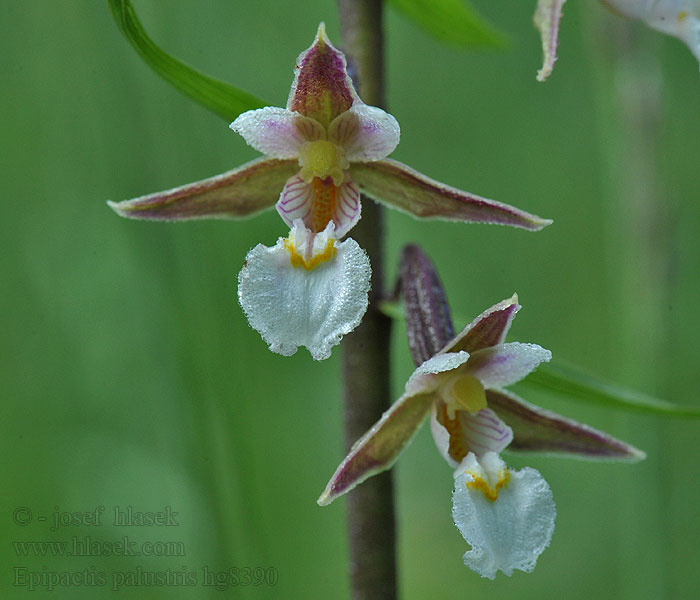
<point x="128" y="373"/>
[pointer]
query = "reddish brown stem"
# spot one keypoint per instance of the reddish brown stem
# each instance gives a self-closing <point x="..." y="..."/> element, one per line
<point x="371" y="523"/>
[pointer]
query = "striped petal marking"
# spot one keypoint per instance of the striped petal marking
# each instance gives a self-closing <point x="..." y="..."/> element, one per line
<point x="464" y="432"/>
<point x="319" y="202"/>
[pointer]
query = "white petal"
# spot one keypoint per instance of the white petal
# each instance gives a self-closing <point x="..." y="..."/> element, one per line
<point x="505" y="364"/>
<point x="679" y="18"/>
<point x="277" y="132"/>
<point x="480" y="433"/>
<point x="295" y="201"/>
<point x="367" y="133"/>
<point x="509" y="532"/>
<point x="425" y="378"/>
<point x="316" y="202"/>
<point x="295" y="306"/>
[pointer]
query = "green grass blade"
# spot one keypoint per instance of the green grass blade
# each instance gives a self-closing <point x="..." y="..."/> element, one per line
<point x="219" y="97"/>
<point x="453" y="22"/>
<point x="570" y="382"/>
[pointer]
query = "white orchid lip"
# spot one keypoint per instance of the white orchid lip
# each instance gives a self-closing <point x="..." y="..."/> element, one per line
<point x="307" y="290"/>
<point x="307" y="250"/>
<point x="506" y="516"/>
<point x="487" y="476"/>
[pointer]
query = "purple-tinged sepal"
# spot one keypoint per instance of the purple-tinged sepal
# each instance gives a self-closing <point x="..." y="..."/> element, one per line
<point x="547" y="18"/>
<point x="398" y="186"/>
<point x="378" y="449"/>
<point x="236" y="194"/>
<point x="488" y="329"/>
<point x="538" y="430"/>
<point x="428" y="321"/>
<point x="322" y="88"/>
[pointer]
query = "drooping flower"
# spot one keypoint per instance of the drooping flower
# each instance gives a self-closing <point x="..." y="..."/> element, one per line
<point x="322" y="151"/>
<point x="678" y="18"/>
<point x="506" y="516"/>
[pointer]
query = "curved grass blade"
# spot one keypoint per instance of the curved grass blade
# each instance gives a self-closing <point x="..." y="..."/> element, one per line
<point x="570" y="382"/>
<point x="453" y="22"/>
<point x="219" y="97"/>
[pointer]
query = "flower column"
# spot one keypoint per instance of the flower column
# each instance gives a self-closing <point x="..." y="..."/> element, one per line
<point x="366" y="351"/>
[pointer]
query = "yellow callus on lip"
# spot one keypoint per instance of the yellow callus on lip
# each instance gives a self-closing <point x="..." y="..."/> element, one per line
<point x="322" y="159"/>
<point x="488" y="490"/>
<point x="310" y="263"/>
<point x="463" y="392"/>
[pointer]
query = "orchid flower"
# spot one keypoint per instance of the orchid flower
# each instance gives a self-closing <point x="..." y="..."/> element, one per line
<point x="506" y="516"/>
<point x="679" y="18"/>
<point x="322" y="151"/>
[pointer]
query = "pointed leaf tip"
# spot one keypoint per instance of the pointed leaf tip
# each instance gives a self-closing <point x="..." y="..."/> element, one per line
<point x="219" y="97"/>
<point x="321" y="32"/>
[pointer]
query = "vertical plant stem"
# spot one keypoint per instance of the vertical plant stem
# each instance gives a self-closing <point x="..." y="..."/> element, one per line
<point x="371" y="524"/>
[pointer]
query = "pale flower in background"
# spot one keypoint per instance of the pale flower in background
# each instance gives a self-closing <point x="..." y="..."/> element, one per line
<point x="678" y="18"/>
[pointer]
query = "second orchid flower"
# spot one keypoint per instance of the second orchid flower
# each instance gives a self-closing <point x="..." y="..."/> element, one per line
<point x="506" y="516"/>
